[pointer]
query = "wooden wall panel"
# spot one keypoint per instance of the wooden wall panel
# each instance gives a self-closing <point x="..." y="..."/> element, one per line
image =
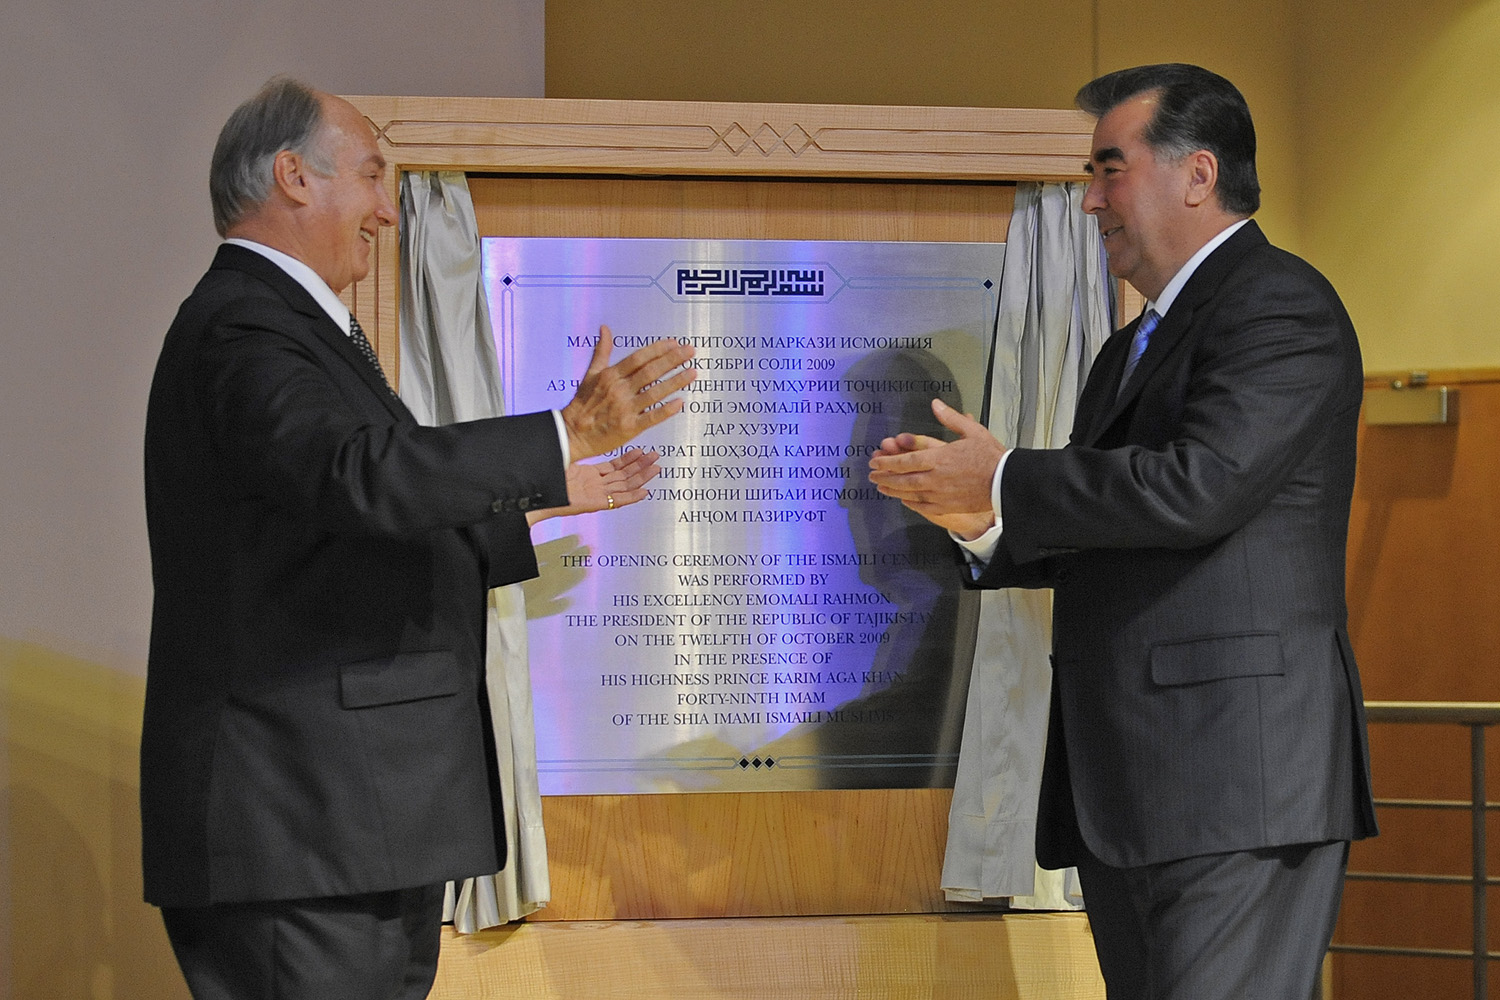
<point x="741" y="209"/>
<point x="761" y="853"/>
<point x="1424" y="616"/>
<point x="746" y="854"/>
<point x="1424" y="580"/>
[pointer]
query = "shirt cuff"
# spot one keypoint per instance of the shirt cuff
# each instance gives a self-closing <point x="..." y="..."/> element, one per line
<point x="995" y="483"/>
<point x="979" y="551"/>
<point x="562" y="438"/>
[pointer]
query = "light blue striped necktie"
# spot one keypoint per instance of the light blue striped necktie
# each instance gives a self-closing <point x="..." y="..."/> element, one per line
<point x="1138" y="345"/>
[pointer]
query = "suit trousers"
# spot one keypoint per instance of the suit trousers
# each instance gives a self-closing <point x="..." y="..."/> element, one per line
<point x="377" y="946"/>
<point x="1248" y="925"/>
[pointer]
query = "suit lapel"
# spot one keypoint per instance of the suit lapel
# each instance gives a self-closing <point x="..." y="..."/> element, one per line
<point x="297" y="298"/>
<point x="1096" y="407"/>
<point x="1174" y="327"/>
<point x="340" y="342"/>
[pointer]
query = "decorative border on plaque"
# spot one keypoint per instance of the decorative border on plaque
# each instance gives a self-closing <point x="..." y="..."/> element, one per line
<point x="749" y="763"/>
<point x="689" y="281"/>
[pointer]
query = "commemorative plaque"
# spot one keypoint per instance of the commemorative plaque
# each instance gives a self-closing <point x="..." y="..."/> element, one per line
<point x="765" y="620"/>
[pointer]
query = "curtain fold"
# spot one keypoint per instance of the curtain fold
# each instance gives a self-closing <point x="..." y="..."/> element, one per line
<point x="1055" y="313"/>
<point x="449" y="373"/>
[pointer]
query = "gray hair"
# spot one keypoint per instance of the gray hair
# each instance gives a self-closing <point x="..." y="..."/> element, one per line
<point x="285" y="115"/>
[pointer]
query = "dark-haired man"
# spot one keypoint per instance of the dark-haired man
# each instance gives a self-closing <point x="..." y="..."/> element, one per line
<point x="1206" y="763"/>
<point x="315" y="755"/>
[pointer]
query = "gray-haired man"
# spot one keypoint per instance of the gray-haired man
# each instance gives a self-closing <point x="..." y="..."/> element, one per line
<point x="316" y="758"/>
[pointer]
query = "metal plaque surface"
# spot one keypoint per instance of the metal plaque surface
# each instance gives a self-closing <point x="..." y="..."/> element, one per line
<point x="765" y="620"/>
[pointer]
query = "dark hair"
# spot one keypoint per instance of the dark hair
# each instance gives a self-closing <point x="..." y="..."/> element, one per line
<point x="1195" y="110"/>
<point x="285" y="114"/>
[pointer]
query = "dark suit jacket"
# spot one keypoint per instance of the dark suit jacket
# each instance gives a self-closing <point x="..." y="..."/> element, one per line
<point x="315" y="719"/>
<point x="1205" y="696"/>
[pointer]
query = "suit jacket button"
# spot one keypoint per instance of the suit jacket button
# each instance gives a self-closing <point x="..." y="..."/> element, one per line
<point x="497" y="506"/>
<point x="524" y="503"/>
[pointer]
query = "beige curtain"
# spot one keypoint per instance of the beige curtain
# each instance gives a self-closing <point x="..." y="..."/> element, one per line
<point x="1055" y="313"/>
<point x="449" y="373"/>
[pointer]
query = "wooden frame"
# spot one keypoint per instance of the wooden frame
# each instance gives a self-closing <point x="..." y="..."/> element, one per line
<point x="637" y="858"/>
<point x="645" y="857"/>
<point x="699" y="139"/>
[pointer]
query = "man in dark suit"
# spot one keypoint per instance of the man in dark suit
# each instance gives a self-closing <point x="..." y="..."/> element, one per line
<point x="315" y="757"/>
<point x="1206" y="762"/>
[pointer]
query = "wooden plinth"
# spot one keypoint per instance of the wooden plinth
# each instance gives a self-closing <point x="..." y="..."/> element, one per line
<point x="997" y="957"/>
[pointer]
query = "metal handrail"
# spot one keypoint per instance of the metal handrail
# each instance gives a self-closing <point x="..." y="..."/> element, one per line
<point x="1477" y="716"/>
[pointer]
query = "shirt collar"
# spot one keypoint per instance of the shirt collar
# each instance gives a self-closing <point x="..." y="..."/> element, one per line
<point x="1169" y="294"/>
<point x="304" y="276"/>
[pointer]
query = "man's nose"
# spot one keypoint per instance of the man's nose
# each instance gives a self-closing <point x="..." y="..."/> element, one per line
<point x="1093" y="201"/>
<point x="386" y="210"/>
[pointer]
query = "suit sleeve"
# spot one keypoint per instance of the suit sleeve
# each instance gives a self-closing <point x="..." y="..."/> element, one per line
<point x="1004" y="571"/>
<point x="302" y="434"/>
<point x="504" y="544"/>
<point x="1218" y="436"/>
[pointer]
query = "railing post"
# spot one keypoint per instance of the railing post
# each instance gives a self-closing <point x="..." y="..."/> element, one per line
<point x="1477" y="797"/>
<point x="1478" y="716"/>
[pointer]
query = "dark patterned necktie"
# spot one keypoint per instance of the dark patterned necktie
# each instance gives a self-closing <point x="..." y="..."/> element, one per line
<point x="357" y="334"/>
<point x="1138" y="345"/>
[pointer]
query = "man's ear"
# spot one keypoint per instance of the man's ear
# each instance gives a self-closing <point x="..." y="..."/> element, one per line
<point x="290" y="171"/>
<point x="1202" y="177"/>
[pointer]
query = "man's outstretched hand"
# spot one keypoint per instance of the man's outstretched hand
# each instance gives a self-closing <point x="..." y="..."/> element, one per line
<point x="619" y="482"/>
<point x="614" y="403"/>
<point x="946" y="482"/>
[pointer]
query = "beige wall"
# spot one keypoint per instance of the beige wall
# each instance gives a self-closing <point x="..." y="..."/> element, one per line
<point x="1377" y="120"/>
<point x="1400" y="142"/>
<point x="986" y="53"/>
<point x="991" y="53"/>
<point x="1251" y="43"/>
<point x="108" y="112"/>
<point x="1378" y="125"/>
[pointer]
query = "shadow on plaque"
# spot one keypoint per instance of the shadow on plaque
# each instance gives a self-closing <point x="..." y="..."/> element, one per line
<point x="903" y="729"/>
